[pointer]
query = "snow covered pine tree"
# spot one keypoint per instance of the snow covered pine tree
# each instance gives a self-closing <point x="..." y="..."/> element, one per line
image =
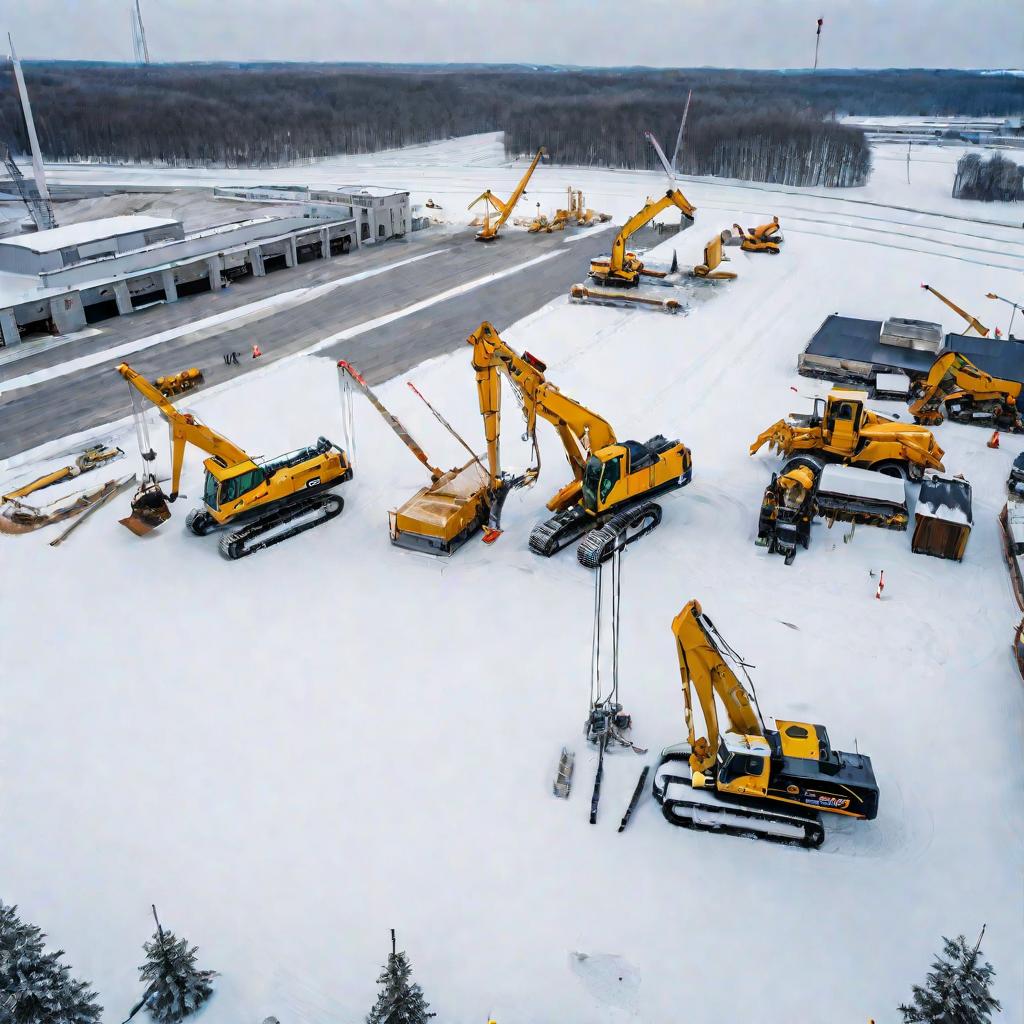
<point x="35" y="987"/>
<point x="956" y="990"/>
<point x="398" y="1002"/>
<point x="176" y="986"/>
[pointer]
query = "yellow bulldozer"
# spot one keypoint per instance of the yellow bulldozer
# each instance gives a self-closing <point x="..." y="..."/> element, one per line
<point x="842" y="429"/>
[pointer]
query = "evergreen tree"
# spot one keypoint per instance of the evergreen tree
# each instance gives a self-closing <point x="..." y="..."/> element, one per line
<point x="176" y="987"/>
<point x="35" y="987"/>
<point x="399" y="1002"/>
<point x="956" y="990"/>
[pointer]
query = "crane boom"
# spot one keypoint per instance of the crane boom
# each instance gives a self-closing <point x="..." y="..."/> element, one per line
<point x="972" y="321"/>
<point x="669" y="173"/>
<point x="185" y="429"/>
<point x="489" y="230"/>
<point x="349" y="371"/>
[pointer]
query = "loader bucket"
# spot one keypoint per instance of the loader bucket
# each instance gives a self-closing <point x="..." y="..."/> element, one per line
<point x="149" y="510"/>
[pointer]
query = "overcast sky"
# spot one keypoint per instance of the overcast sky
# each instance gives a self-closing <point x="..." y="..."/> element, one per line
<point x="661" y="33"/>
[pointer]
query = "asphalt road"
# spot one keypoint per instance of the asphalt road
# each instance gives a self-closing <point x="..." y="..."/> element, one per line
<point x="90" y="397"/>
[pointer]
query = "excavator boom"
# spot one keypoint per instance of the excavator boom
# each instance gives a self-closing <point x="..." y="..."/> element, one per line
<point x="673" y="197"/>
<point x="185" y="429"/>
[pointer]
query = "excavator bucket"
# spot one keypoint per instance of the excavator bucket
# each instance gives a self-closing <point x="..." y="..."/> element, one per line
<point x="149" y="509"/>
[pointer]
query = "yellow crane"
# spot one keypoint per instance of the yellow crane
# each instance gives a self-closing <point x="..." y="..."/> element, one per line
<point x="608" y="501"/>
<point x="270" y="500"/>
<point x="503" y="210"/>
<point x="956" y="388"/>
<point x="623" y="269"/>
<point x="972" y="321"/>
<point x="748" y="779"/>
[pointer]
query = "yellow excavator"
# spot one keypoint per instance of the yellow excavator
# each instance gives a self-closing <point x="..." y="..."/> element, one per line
<point x="623" y="269"/>
<point x="713" y="258"/>
<point x="502" y="210"/>
<point x="956" y="388"/>
<point x="608" y="501"/>
<point x="842" y="429"/>
<point x="763" y="238"/>
<point x="269" y="500"/>
<point x="973" y="322"/>
<point x="748" y="779"/>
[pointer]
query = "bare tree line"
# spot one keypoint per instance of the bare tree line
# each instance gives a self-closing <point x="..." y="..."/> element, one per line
<point x="994" y="179"/>
<point x="764" y="125"/>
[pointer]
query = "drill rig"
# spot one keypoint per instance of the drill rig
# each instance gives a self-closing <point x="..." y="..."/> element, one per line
<point x="750" y="780"/>
<point x="269" y="500"/>
<point x="608" y="501"/>
<point x="503" y="210"/>
<point x="956" y="388"/>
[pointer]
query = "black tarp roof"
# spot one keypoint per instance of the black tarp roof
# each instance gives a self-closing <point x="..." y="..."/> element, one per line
<point x="847" y="337"/>
<point x="941" y="493"/>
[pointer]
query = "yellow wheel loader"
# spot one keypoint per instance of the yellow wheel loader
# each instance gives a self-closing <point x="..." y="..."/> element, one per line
<point x="956" y="388"/>
<point x="608" y="501"/>
<point x="842" y="429"/>
<point x="265" y="501"/>
<point x="748" y="779"/>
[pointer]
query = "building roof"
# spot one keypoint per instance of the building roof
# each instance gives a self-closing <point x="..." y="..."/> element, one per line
<point x="87" y="231"/>
<point x="945" y="497"/>
<point x="1000" y="357"/>
<point x="363" y="190"/>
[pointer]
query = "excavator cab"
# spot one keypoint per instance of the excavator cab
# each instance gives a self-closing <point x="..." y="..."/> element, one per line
<point x="623" y="471"/>
<point x="843" y="413"/>
<point x="744" y="765"/>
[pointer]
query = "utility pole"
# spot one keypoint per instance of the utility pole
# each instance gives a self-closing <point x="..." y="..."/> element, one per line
<point x="817" y="42"/>
<point x="909" y="144"/>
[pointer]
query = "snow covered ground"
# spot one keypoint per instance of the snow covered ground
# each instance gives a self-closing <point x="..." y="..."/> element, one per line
<point x="293" y="753"/>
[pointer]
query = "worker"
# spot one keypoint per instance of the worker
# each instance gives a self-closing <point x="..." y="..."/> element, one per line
<point x="256" y="351"/>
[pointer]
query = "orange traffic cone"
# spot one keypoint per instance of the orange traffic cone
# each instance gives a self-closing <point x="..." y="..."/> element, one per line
<point x="256" y="351"/>
<point x="993" y="441"/>
<point x="881" y="585"/>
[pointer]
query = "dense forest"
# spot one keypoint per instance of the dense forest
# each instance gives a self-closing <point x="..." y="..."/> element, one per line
<point x="773" y="126"/>
<point x="995" y="179"/>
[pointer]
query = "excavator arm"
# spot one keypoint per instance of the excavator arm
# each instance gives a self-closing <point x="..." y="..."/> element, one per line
<point x="580" y="430"/>
<point x="953" y="375"/>
<point x="673" y="197"/>
<point x="702" y="668"/>
<point x="184" y="430"/>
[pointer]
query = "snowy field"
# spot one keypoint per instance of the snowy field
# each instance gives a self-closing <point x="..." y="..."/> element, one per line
<point x="293" y="753"/>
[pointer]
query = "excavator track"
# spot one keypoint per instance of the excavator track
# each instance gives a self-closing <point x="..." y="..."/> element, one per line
<point x="703" y="811"/>
<point x="549" y="537"/>
<point x="632" y="524"/>
<point x="289" y="521"/>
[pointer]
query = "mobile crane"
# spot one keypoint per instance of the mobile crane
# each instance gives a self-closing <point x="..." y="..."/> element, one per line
<point x="843" y="429"/>
<point x="489" y="231"/>
<point x="270" y="501"/>
<point x="956" y="388"/>
<point x="613" y="482"/>
<point x="748" y="779"/>
<point x="973" y="322"/>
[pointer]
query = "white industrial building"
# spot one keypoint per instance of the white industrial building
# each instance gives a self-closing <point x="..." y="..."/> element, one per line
<point x="59" y="280"/>
<point x="379" y="213"/>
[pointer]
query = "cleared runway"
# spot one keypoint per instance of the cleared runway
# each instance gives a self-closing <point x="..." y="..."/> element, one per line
<point x="92" y="396"/>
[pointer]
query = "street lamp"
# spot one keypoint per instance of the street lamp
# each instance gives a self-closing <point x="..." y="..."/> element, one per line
<point x="1016" y="306"/>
